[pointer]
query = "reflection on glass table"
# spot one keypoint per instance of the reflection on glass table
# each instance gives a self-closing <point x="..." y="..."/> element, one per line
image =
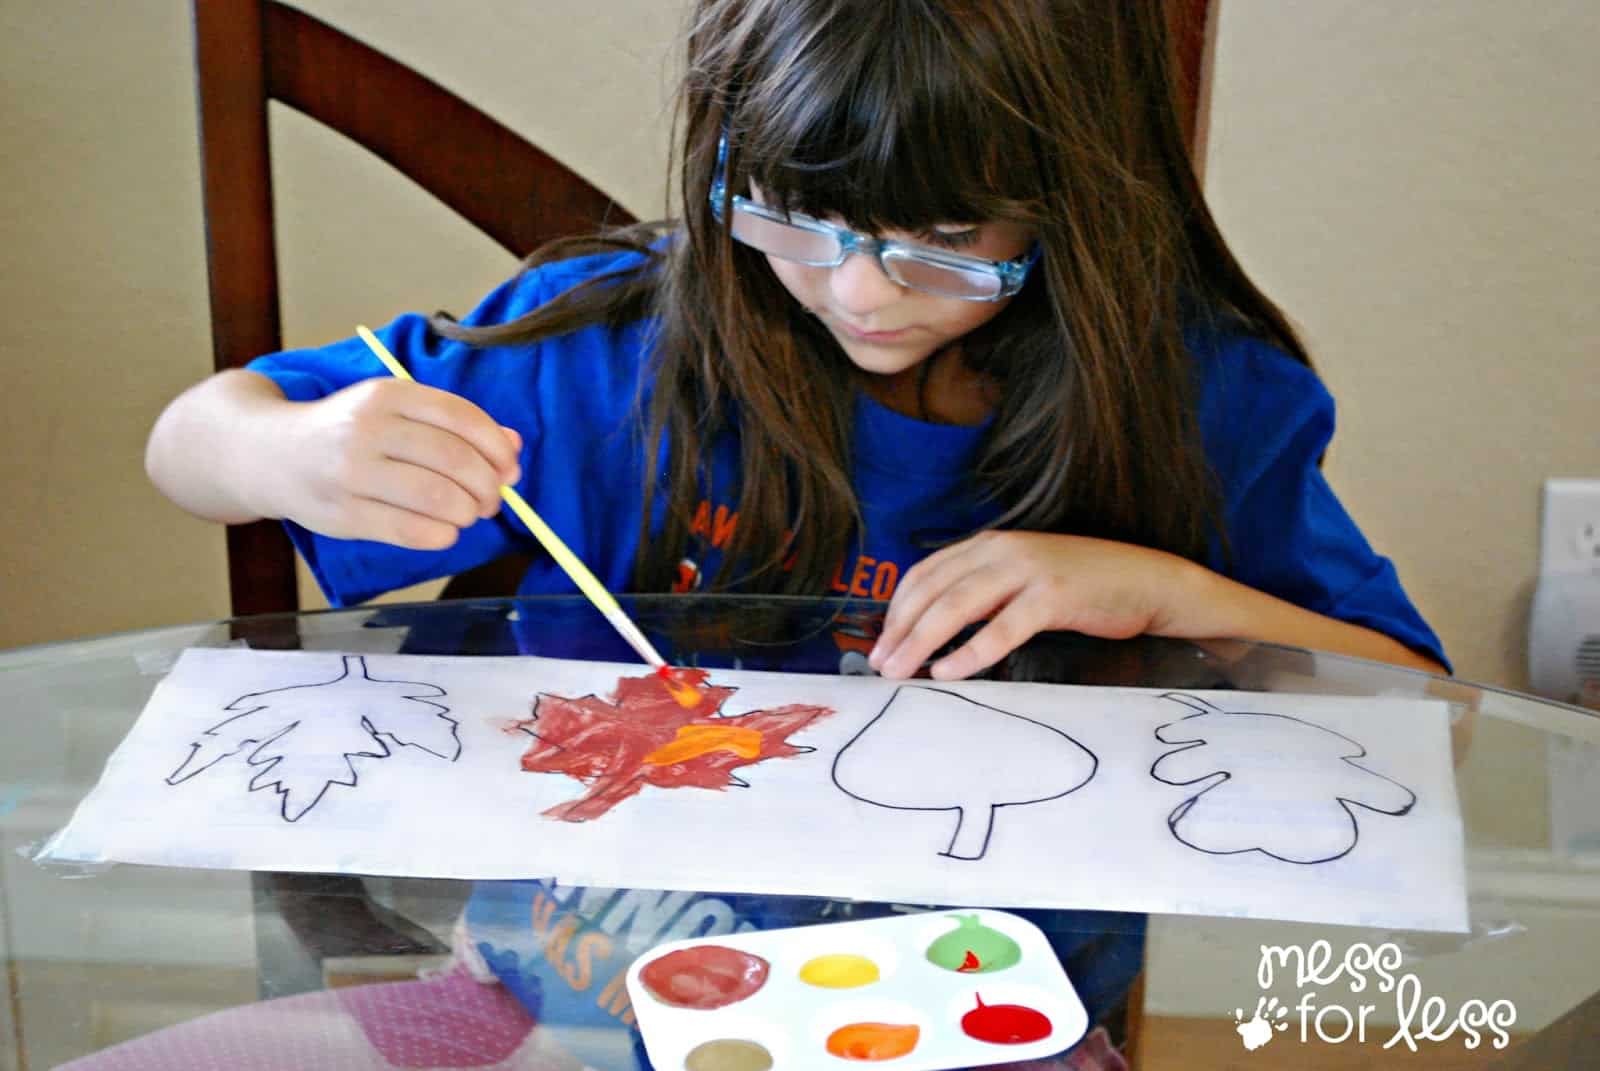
<point x="327" y="968"/>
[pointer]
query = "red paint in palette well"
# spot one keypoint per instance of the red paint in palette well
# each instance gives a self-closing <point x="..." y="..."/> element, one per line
<point x="1006" y="1024"/>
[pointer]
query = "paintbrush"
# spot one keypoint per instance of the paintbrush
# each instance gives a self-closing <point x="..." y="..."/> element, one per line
<point x="682" y="689"/>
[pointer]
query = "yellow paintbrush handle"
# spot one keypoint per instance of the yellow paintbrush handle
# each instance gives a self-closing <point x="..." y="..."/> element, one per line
<point x="381" y="352"/>
<point x="570" y="563"/>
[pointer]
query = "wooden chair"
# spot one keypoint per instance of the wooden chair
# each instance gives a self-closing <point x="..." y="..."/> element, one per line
<point x="250" y="52"/>
<point x="1194" y="27"/>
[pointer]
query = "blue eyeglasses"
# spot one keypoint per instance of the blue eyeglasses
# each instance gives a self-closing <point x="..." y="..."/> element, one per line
<point x="810" y="241"/>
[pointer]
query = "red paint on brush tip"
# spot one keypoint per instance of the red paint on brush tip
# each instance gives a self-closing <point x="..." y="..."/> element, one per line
<point x="683" y="684"/>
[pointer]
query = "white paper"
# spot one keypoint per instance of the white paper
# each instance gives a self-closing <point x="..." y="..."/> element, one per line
<point x="1312" y="808"/>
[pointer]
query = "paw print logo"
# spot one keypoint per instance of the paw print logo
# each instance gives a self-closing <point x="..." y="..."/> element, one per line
<point x="1257" y="1031"/>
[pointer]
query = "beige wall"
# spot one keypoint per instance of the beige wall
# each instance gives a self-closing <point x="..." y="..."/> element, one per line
<point x="1415" y="182"/>
<point x="102" y="264"/>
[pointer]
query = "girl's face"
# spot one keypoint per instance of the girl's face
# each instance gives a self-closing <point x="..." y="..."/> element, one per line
<point x="883" y="327"/>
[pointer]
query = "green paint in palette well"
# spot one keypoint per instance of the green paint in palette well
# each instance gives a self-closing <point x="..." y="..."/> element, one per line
<point x="973" y="948"/>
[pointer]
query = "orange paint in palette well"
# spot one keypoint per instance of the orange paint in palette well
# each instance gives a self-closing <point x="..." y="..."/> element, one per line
<point x="899" y="990"/>
<point x="873" y="1041"/>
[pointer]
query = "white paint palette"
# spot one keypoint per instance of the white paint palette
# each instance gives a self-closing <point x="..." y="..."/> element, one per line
<point x="943" y="989"/>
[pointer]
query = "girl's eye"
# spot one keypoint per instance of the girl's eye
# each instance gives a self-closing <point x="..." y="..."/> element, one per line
<point x="950" y="239"/>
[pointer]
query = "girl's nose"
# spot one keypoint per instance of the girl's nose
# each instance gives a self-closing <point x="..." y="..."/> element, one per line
<point x="860" y="288"/>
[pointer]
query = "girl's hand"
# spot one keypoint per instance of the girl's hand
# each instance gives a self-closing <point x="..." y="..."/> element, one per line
<point x="1026" y="582"/>
<point x="388" y="460"/>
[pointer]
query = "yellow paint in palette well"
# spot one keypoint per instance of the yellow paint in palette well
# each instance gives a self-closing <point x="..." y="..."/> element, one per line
<point x="840" y="970"/>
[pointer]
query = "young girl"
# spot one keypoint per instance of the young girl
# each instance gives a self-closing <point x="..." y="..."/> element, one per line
<point x="944" y="320"/>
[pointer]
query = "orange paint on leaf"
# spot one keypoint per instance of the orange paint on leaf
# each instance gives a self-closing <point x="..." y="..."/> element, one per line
<point x="693" y="741"/>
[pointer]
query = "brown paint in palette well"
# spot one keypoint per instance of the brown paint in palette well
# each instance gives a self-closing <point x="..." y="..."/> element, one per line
<point x="704" y="977"/>
<point x="728" y="1054"/>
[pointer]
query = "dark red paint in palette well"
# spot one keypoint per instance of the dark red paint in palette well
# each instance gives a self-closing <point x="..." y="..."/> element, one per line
<point x="704" y="977"/>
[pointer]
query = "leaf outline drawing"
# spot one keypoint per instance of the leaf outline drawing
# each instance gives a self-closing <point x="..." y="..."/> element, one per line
<point x="433" y="731"/>
<point x="1217" y="779"/>
<point x="970" y="840"/>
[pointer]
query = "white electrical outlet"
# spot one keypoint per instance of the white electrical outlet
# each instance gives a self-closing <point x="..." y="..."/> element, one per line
<point x="1571" y="529"/>
<point x="1564" y="622"/>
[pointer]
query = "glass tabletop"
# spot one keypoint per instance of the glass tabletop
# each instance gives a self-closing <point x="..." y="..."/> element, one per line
<point x="129" y="966"/>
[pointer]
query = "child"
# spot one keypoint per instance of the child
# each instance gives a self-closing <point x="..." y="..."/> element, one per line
<point x="945" y="321"/>
<point x="1056" y="351"/>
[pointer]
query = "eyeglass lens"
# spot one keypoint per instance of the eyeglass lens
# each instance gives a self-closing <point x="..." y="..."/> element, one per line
<point x="945" y="279"/>
<point x="820" y="248"/>
<point x="784" y="239"/>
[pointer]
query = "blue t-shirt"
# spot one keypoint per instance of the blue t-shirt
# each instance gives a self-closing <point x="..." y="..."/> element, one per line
<point x="1265" y="421"/>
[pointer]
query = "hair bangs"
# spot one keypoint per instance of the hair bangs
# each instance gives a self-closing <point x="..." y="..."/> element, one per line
<point x="899" y="132"/>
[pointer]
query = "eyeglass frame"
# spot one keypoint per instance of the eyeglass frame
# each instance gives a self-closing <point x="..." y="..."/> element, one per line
<point x="1011" y="273"/>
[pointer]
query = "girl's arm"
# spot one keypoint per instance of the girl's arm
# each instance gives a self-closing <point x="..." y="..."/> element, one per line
<point x="1029" y="582"/>
<point x="383" y="459"/>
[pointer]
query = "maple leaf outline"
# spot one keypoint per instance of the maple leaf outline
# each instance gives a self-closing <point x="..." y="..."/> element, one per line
<point x="430" y="730"/>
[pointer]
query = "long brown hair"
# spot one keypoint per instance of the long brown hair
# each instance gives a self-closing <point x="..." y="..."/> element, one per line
<point x="901" y="114"/>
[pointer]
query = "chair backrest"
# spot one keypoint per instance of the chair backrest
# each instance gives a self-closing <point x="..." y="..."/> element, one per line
<point x="1193" y="24"/>
<point x="250" y="52"/>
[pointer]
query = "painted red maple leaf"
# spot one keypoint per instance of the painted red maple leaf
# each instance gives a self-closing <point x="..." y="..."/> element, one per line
<point x="641" y="736"/>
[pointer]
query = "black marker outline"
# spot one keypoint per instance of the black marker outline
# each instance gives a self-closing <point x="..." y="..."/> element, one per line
<point x="1219" y="777"/>
<point x="988" y="833"/>
<point x="267" y="762"/>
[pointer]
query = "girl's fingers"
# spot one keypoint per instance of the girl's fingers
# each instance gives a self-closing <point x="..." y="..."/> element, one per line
<point x="421" y="491"/>
<point x="922" y="584"/>
<point x="431" y="447"/>
<point x="971" y="598"/>
<point x="429" y="405"/>
<point x="385" y="523"/>
<point x="1017" y="622"/>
